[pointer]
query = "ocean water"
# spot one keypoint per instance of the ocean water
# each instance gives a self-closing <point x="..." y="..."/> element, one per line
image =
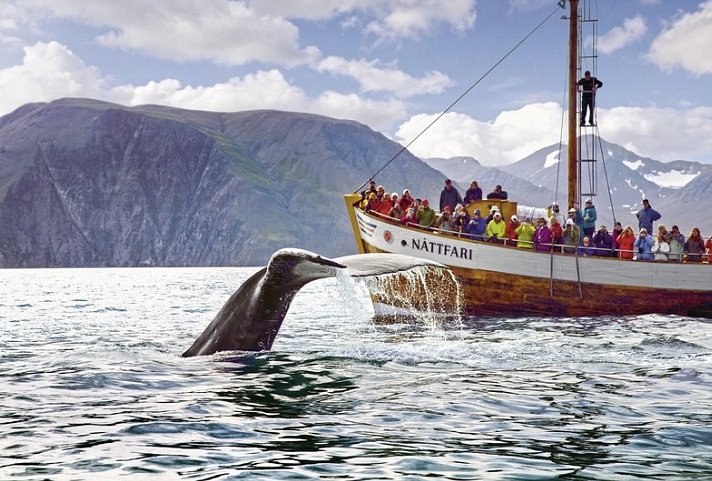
<point x="92" y="386"/>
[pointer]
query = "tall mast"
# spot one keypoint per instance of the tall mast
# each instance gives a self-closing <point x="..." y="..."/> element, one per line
<point x="573" y="63"/>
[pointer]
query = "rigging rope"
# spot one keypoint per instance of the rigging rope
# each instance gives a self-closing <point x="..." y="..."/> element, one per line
<point x="403" y="149"/>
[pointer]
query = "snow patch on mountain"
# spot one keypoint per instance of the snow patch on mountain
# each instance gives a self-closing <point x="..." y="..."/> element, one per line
<point x="551" y="159"/>
<point x="633" y="165"/>
<point x="674" y="179"/>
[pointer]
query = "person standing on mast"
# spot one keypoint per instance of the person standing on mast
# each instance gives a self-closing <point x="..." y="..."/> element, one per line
<point x="589" y="85"/>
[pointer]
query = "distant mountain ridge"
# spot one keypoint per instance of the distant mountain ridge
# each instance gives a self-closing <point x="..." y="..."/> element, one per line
<point x="89" y="183"/>
<point x="671" y="187"/>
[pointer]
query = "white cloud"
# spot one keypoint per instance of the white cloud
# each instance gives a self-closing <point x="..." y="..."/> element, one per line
<point x="410" y="19"/>
<point x="662" y="134"/>
<point x="686" y="43"/>
<point x="632" y="30"/>
<point x="217" y="30"/>
<point x="373" y="78"/>
<point x="512" y="136"/>
<point x="50" y="71"/>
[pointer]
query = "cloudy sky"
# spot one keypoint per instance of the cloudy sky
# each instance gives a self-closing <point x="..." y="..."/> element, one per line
<point x="391" y="64"/>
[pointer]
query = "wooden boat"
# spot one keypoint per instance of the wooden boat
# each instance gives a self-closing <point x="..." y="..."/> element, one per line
<point x="496" y="279"/>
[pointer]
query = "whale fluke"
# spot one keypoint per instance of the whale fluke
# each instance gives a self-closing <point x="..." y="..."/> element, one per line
<point x="252" y="316"/>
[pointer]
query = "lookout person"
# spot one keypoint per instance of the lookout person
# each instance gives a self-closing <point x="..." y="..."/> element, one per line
<point x="589" y="85"/>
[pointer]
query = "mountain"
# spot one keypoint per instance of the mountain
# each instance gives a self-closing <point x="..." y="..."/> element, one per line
<point x="89" y="183"/>
<point x="539" y="179"/>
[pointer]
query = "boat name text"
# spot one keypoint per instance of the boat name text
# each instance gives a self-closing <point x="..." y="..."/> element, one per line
<point x="441" y="249"/>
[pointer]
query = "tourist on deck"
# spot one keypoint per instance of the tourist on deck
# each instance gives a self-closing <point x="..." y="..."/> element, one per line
<point x="426" y="215"/>
<point x="617" y="230"/>
<point x="557" y="233"/>
<point x="372" y="186"/>
<point x="588" y="85"/>
<point x="511" y="230"/>
<point x="473" y="193"/>
<point x="460" y="218"/>
<point x="643" y="246"/>
<point x="491" y="214"/>
<point x="396" y="212"/>
<point x="588" y="215"/>
<point x="496" y="230"/>
<point x="575" y="215"/>
<point x="708" y="249"/>
<point x="449" y="196"/>
<point x="445" y="221"/>
<point x="554" y="211"/>
<point x="625" y="242"/>
<point x="602" y="242"/>
<point x="385" y="206"/>
<point x="363" y="202"/>
<point x="694" y="246"/>
<point x="677" y="245"/>
<point x="373" y="202"/>
<point x="477" y="226"/>
<point x="525" y="234"/>
<point x="498" y="193"/>
<point x="410" y="218"/>
<point x="646" y="216"/>
<point x="380" y="192"/>
<point x="406" y="200"/>
<point x="542" y="236"/>
<point x="572" y="235"/>
<point x="585" y="249"/>
<point x="661" y="246"/>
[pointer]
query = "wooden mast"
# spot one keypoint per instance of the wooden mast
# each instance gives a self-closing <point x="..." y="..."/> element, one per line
<point x="573" y="63"/>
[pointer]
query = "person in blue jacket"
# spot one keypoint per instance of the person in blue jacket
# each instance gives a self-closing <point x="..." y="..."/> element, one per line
<point x="589" y="218"/>
<point x="643" y="246"/>
<point x="477" y="226"/>
<point x="646" y="216"/>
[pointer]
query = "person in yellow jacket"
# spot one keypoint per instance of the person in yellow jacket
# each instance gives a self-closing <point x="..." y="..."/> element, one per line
<point x="525" y="234"/>
<point x="496" y="229"/>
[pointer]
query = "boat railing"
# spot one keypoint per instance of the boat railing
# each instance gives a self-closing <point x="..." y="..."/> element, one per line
<point x="531" y="245"/>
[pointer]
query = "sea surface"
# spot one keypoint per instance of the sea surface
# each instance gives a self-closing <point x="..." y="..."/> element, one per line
<point x="93" y="387"/>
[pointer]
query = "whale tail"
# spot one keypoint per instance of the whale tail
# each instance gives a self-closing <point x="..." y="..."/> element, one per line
<point x="251" y="318"/>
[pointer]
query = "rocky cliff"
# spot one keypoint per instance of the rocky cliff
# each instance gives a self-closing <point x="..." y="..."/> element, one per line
<point x="88" y="183"/>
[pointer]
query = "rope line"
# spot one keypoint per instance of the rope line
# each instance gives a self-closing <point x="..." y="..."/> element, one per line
<point x="403" y="149"/>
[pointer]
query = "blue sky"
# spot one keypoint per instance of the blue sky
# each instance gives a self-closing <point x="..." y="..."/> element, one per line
<point x="390" y="64"/>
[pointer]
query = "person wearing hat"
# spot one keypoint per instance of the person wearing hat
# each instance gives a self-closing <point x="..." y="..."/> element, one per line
<point x="572" y="236"/>
<point x="525" y="234"/>
<point x="643" y="246"/>
<point x="603" y="242"/>
<point x="511" y="230"/>
<point x="575" y="215"/>
<point x="491" y="214"/>
<point x="426" y="215"/>
<point x="477" y="226"/>
<point x="445" y="220"/>
<point x="588" y="85"/>
<point x="554" y="211"/>
<point x="589" y="218"/>
<point x="449" y="196"/>
<point x="496" y="230"/>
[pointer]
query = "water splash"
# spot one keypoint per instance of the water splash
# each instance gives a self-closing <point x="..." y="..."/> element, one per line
<point x="424" y="296"/>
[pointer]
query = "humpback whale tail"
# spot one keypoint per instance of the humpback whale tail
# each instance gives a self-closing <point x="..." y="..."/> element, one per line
<point x="252" y="316"/>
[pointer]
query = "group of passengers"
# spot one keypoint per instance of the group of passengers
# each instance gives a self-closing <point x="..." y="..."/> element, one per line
<point x="574" y="234"/>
